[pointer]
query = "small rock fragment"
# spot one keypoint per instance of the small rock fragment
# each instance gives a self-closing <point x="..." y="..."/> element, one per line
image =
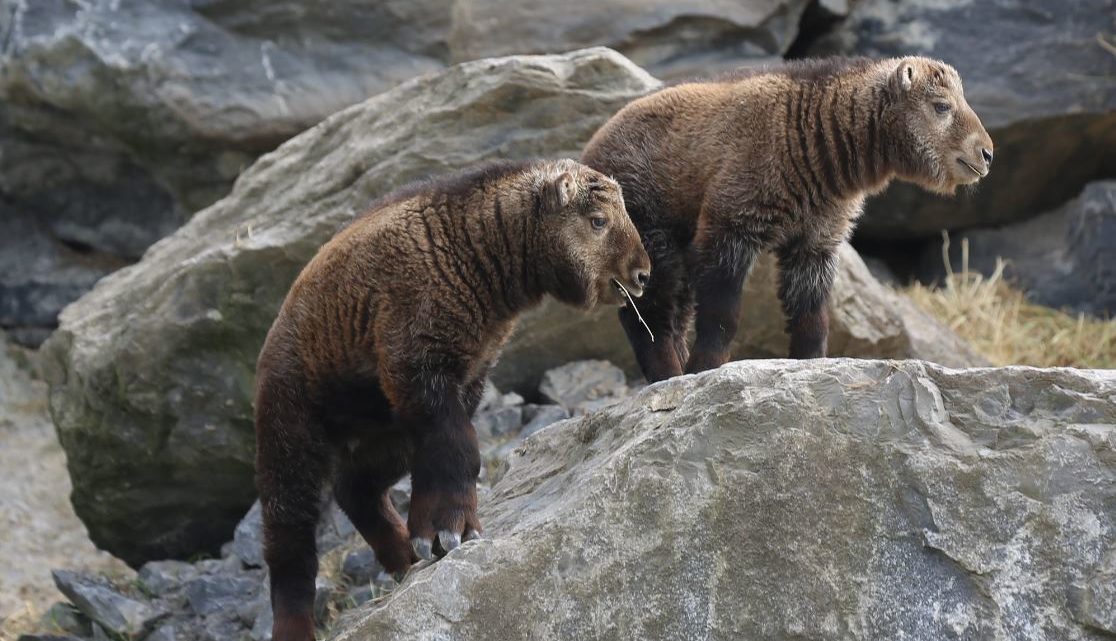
<point x="160" y="577"/>
<point x="577" y="383"/>
<point x="100" y="601"/>
<point x="218" y="593"/>
<point x="497" y="423"/>
<point x="544" y="416"/>
<point x="66" y="618"/>
<point x="360" y="566"/>
<point x="247" y="542"/>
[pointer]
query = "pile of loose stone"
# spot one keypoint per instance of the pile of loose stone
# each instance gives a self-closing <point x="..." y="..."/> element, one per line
<point x="227" y="598"/>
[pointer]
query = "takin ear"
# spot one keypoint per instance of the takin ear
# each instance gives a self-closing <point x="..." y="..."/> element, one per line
<point x="558" y="192"/>
<point x="904" y="76"/>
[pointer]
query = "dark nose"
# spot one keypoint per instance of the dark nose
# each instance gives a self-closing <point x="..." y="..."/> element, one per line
<point x="641" y="276"/>
<point x="987" y="153"/>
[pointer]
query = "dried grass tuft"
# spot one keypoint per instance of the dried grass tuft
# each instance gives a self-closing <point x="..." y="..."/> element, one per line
<point x="999" y="321"/>
<point x="23" y="621"/>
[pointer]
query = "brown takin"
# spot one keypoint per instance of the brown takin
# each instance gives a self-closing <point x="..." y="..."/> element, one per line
<point x="716" y="172"/>
<point x="378" y="357"/>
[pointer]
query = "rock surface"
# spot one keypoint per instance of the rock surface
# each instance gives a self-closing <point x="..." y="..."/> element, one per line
<point x="152" y="372"/>
<point x="1063" y="259"/>
<point x="1035" y="74"/>
<point x="227" y="598"/>
<point x="122" y="118"/>
<point x="98" y="600"/>
<point x="835" y="499"/>
<point x="582" y="383"/>
<point x="669" y="38"/>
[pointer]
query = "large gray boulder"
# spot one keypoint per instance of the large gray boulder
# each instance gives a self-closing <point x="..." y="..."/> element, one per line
<point x="1063" y="259"/>
<point x="121" y="118"/>
<point x="779" y="500"/>
<point x="152" y="371"/>
<point x="1035" y="73"/>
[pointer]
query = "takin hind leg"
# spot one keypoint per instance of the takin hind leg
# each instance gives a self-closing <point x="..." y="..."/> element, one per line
<point x="292" y="465"/>
<point x="666" y="308"/>
<point x="364" y="478"/>
<point x="806" y="274"/>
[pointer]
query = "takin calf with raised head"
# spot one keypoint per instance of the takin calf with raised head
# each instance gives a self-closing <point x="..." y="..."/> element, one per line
<point x="716" y="172"/>
<point x="378" y="357"/>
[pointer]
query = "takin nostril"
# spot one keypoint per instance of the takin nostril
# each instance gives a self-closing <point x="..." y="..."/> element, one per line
<point x="641" y="277"/>
<point x="987" y="153"/>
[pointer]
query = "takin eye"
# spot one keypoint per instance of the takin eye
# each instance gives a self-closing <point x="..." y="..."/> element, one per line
<point x="598" y="222"/>
<point x="941" y="107"/>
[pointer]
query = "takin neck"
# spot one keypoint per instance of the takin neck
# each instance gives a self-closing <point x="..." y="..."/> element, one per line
<point x="508" y="259"/>
<point x="841" y="142"/>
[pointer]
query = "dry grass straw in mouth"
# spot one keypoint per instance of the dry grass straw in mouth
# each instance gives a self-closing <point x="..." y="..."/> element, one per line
<point x="631" y="301"/>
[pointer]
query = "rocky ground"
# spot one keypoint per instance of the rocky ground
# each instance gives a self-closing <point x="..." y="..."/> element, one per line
<point x="225" y="598"/>
<point x="38" y="525"/>
<point x="835" y="499"/>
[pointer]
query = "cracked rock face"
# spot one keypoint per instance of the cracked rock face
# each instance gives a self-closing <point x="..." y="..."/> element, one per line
<point x="777" y="500"/>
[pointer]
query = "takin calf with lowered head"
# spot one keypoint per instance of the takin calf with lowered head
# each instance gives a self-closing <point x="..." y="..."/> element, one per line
<point x="716" y="172"/>
<point x="378" y="357"/>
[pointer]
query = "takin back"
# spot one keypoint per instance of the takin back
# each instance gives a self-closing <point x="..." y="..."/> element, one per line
<point x="716" y="172"/>
<point x="378" y="357"/>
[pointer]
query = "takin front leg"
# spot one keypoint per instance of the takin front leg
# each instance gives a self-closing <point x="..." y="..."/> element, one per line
<point x="665" y="308"/>
<point x="721" y="262"/>
<point x="444" y="481"/>
<point x="361" y="489"/>
<point x="429" y="402"/>
<point x="806" y="275"/>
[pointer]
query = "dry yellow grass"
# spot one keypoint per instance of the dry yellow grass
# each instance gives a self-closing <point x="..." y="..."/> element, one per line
<point x="1008" y="329"/>
<point x="24" y="621"/>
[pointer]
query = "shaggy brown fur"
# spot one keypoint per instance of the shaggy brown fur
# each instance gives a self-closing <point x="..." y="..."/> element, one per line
<point x="716" y="172"/>
<point x="378" y="357"/>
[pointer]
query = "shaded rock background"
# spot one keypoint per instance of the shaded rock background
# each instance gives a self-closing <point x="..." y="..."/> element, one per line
<point x="152" y="371"/>
<point x="1037" y="76"/>
<point x="669" y="38"/>
<point x="121" y="119"/>
<point x="836" y="499"/>
<point x="1063" y="259"/>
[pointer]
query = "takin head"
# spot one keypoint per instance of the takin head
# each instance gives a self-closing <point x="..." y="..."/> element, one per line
<point x="944" y="141"/>
<point x="592" y="246"/>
